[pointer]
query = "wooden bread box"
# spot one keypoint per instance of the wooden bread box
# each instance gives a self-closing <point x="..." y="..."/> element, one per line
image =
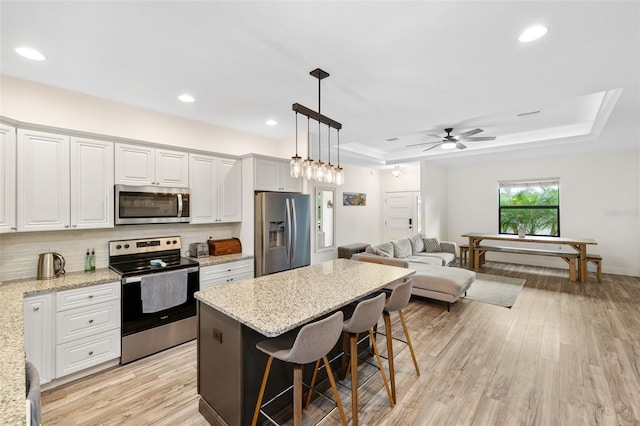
<point x="226" y="246"/>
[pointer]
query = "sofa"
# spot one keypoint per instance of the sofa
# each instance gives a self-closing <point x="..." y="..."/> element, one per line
<point x="417" y="249"/>
<point x="433" y="278"/>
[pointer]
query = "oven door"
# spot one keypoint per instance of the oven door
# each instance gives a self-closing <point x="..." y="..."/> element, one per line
<point x="150" y="204"/>
<point x="135" y="320"/>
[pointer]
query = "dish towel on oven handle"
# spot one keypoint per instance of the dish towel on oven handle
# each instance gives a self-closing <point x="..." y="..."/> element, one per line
<point x="163" y="290"/>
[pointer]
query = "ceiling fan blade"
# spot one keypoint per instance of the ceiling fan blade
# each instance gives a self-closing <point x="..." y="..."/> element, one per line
<point x="435" y="136"/>
<point x="481" y="138"/>
<point x="468" y="133"/>
<point x="431" y="147"/>
<point x="421" y="143"/>
<point x="460" y="145"/>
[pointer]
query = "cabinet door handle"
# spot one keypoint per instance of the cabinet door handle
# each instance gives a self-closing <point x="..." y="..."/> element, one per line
<point x="74" y="226"/>
<point x="91" y="296"/>
<point x="90" y="321"/>
<point x="90" y="352"/>
<point x="66" y="226"/>
<point x="36" y="308"/>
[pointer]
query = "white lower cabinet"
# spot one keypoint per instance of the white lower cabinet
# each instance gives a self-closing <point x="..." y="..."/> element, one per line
<point x="87" y="327"/>
<point x="71" y="330"/>
<point x="38" y="334"/>
<point x="225" y="273"/>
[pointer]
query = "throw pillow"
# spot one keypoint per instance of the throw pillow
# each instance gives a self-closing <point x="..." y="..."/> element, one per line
<point x="417" y="245"/>
<point x="431" y="245"/>
<point x="386" y="249"/>
<point x="401" y="248"/>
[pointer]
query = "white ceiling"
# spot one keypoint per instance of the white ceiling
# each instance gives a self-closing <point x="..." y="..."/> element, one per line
<point x="398" y="69"/>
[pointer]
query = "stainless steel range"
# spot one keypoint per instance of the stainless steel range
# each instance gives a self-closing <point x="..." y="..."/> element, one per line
<point x="158" y="307"/>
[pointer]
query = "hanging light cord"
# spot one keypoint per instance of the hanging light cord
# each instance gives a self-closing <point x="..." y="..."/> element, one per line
<point x="296" y="133"/>
<point x="308" y="137"/>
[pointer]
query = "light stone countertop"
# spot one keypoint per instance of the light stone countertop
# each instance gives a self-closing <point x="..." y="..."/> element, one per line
<point x="274" y="304"/>
<point x="217" y="260"/>
<point x="12" y="293"/>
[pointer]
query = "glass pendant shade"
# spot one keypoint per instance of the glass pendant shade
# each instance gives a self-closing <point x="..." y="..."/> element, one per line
<point x="319" y="170"/>
<point x="339" y="176"/>
<point x="330" y="174"/>
<point x="295" y="166"/>
<point x="308" y="169"/>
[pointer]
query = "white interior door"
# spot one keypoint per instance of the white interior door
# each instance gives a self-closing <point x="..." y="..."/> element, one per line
<point x="400" y="215"/>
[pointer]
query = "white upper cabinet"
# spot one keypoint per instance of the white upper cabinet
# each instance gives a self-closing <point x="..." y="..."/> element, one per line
<point x="7" y="179"/>
<point x="274" y="175"/>
<point x="141" y="165"/>
<point x="63" y="183"/>
<point x="43" y="181"/>
<point x="215" y="189"/>
<point x="91" y="183"/>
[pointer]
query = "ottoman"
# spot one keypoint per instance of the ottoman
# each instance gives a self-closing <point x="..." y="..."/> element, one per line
<point x="345" y="252"/>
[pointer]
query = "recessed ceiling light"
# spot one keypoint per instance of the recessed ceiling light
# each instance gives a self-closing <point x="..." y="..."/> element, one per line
<point x="30" y="53"/>
<point x="186" y="98"/>
<point x="532" y="33"/>
<point x="271" y="122"/>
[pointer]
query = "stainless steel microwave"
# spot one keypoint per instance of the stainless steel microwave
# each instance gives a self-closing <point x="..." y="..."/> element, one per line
<point x="151" y="204"/>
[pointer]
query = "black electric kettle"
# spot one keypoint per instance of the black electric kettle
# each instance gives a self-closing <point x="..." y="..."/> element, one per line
<point x="50" y="265"/>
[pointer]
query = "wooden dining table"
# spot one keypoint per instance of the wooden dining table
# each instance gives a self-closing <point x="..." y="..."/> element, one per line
<point x="578" y="244"/>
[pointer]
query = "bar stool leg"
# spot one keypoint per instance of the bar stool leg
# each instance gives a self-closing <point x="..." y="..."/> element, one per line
<point x="334" y="389"/>
<point x="392" y="371"/>
<point x="406" y="334"/>
<point x="353" y="344"/>
<point x="297" y="395"/>
<point x="256" y="413"/>
<point x="384" y="376"/>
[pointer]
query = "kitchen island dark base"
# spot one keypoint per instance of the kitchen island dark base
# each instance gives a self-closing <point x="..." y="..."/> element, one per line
<point x="230" y="370"/>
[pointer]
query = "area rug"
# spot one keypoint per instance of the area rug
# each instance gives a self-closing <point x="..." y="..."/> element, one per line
<point x="496" y="290"/>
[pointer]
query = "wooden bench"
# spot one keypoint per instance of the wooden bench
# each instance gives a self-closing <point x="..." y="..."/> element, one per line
<point x="464" y="250"/>
<point x="596" y="259"/>
<point x="568" y="257"/>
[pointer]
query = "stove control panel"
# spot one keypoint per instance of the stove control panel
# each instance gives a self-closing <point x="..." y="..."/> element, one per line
<point x="147" y="245"/>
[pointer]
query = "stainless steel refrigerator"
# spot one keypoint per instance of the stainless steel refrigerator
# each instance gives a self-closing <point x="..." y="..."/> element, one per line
<point x="282" y="232"/>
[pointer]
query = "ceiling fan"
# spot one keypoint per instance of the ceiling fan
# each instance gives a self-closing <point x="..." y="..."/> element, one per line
<point x="454" y="141"/>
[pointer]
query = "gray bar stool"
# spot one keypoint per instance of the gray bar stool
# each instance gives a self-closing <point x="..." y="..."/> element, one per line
<point x="399" y="299"/>
<point x="364" y="318"/>
<point x="312" y="343"/>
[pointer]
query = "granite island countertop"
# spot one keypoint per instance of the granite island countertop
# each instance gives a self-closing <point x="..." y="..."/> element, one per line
<point x="12" y="293"/>
<point x="274" y="304"/>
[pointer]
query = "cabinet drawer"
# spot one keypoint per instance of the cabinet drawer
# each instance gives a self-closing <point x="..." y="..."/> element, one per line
<point x="88" y="352"/>
<point x="227" y="268"/>
<point x="85" y="296"/>
<point x="86" y="321"/>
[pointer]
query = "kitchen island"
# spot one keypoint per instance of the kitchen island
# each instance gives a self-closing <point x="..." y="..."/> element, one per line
<point x="234" y="317"/>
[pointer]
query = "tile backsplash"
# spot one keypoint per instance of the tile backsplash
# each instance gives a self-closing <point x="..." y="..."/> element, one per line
<point x="19" y="251"/>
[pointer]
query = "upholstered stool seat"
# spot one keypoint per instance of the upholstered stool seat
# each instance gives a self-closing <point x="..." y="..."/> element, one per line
<point x="311" y="343"/>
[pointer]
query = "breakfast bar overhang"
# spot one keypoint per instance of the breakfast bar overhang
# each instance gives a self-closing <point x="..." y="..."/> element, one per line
<point x="234" y="317"/>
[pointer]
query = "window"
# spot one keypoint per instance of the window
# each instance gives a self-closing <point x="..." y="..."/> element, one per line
<point x="534" y="204"/>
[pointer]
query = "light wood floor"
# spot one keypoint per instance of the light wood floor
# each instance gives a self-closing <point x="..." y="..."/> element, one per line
<point x="565" y="354"/>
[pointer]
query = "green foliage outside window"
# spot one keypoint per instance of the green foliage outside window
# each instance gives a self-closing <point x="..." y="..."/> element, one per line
<point x="534" y="206"/>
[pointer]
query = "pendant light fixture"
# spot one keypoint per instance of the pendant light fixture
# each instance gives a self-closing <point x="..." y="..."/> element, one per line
<point x="319" y="167"/>
<point x="307" y="165"/>
<point x="330" y="173"/>
<point x="318" y="170"/>
<point x="295" y="166"/>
